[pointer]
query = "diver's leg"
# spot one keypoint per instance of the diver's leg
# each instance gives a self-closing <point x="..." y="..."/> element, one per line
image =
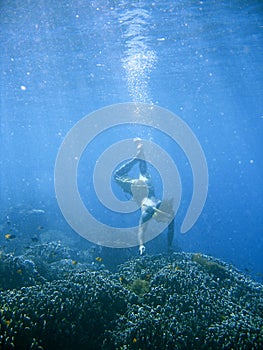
<point x="140" y="238"/>
<point x="144" y="170"/>
<point x="141" y="158"/>
<point x="121" y="176"/>
<point x="146" y="214"/>
<point x="170" y="236"/>
<point x="143" y="167"/>
<point x="125" y="168"/>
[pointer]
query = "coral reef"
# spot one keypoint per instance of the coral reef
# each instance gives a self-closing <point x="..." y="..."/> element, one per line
<point x="181" y="301"/>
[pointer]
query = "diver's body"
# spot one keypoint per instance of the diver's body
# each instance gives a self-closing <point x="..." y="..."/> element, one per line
<point x="142" y="191"/>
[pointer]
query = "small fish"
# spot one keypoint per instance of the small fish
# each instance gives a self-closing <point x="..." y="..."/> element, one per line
<point x="74" y="262"/>
<point x="19" y="271"/>
<point x="123" y="280"/>
<point x="99" y="259"/>
<point x="40" y="228"/>
<point x="10" y="236"/>
<point x="134" y="340"/>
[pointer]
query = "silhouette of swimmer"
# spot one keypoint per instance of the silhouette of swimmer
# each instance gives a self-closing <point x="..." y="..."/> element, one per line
<point x="142" y="192"/>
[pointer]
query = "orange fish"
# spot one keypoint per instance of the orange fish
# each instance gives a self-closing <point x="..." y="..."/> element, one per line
<point x="10" y="236"/>
<point x="99" y="259"/>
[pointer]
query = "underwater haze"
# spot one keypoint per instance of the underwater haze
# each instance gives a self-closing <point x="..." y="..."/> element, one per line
<point x="63" y="60"/>
<point x="202" y="61"/>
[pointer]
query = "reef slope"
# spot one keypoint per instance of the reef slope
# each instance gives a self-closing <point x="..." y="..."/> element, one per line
<point x="181" y="301"/>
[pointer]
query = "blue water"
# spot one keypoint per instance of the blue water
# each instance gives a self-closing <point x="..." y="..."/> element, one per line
<point x="201" y="60"/>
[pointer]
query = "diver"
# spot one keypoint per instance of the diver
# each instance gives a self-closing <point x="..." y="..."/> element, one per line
<point x="142" y="192"/>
